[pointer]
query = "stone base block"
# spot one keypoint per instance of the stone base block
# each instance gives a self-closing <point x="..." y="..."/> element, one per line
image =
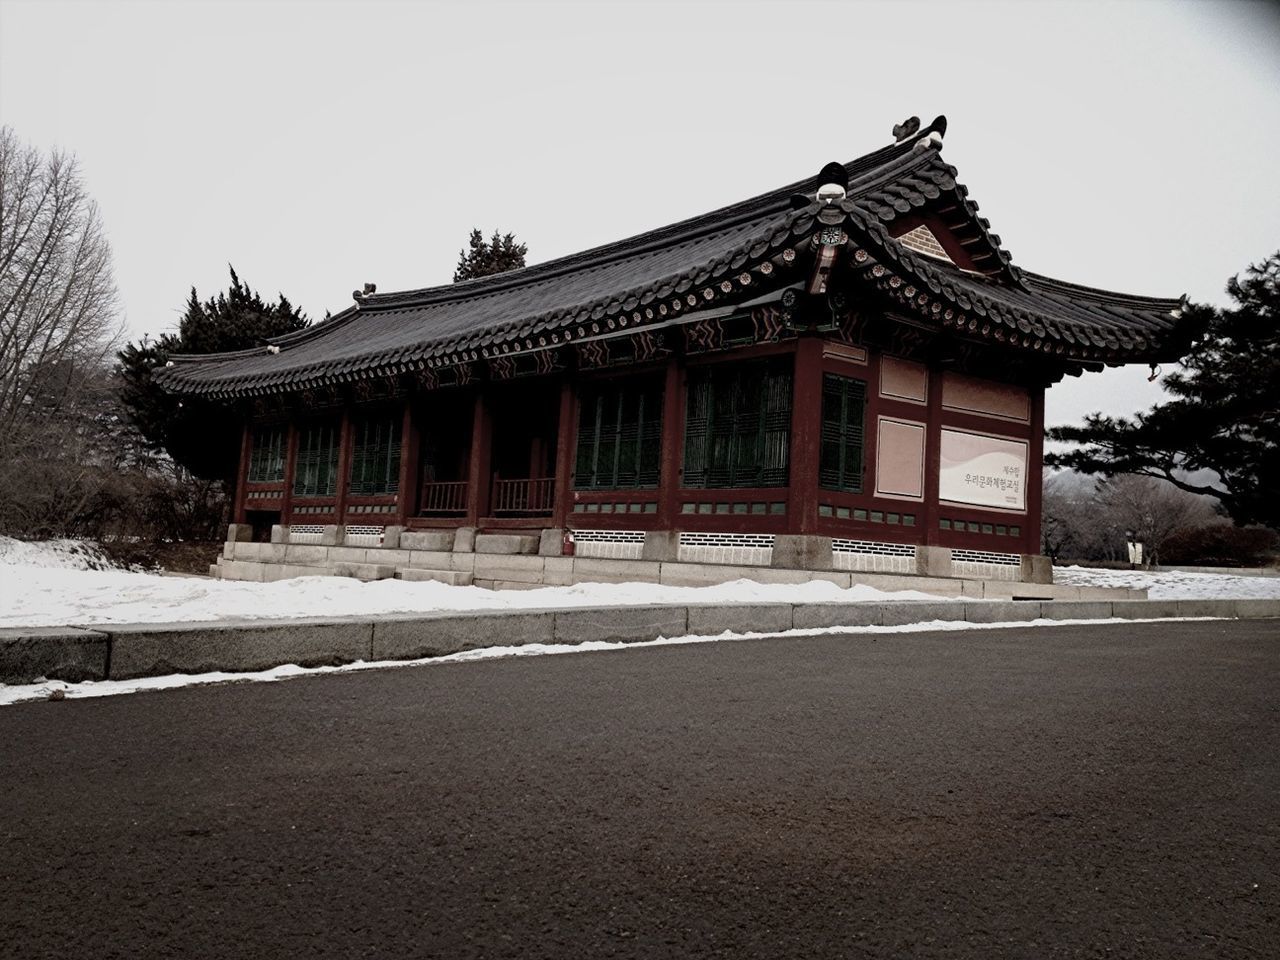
<point x="1036" y="569"/>
<point x="551" y="542"/>
<point x="55" y="653"/>
<point x="661" y="545"/>
<point x="412" y="636"/>
<point x="715" y="619"/>
<point x="933" y="561"/>
<point x="509" y="543"/>
<point x="438" y="541"/>
<point x="239" y="533"/>
<point x="599" y="570"/>
<point x="620" y="624"/>
<point x="1001" y="611"/>
<point x="464" y="540"/>
<point x="455" y="578"/>
<point x="146" y="650"/>
<point x="902" y="612"/>
<point x="802" y="552"/>
<point x="365" y="571"/>
<point x="1076" y="609"/>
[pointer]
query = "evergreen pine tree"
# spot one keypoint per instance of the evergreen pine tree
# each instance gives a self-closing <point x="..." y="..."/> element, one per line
<point x="1224" y="415"/>
<point x="483" y="258"/>
<point x="199" y="435"/>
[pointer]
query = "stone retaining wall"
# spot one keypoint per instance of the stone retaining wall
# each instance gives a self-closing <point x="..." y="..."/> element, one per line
<point x="513" y="560"/>
<point x="126" y="651"/>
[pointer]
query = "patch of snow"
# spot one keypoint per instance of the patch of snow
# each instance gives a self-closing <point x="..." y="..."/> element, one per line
<point x="24" y="693"/>
<point x="1173" y="584"/>
<point x="52" y="555"/>
<point x="42" y="596"/>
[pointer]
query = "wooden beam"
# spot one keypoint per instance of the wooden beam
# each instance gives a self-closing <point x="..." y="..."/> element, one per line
<point x="806" y="436"/>
<point x="407" y="483"/>
<point x="343" y="484"/>
<point x="242" y="476"/>
<point x="478" y="463"/>
<point x="565" y="441"/>
<point x="671" y="470"/>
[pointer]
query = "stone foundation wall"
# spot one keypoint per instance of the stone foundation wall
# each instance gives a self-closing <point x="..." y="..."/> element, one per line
<point x="512" y="561"/>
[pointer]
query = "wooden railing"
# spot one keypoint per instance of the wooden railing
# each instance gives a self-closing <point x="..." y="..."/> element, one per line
<point x="446" y="497"/>
<point x="527" y="496"/>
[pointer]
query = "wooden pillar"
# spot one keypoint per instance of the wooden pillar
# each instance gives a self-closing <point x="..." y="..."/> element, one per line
<point x="242" y="476"/>
<point x="932" y="455"/>
<point x="671" y="470"/>
<point x="344" y="467"/>
<point x="290" y="466"/>
<point x="564" y="456"/>
<point x="481" y="455"/>
<point x="1035" y="473"/>
<point x="407" y="484"/>
<point x="806" y="436"/>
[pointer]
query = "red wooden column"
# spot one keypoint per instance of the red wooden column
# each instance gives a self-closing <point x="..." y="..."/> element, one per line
<point x="344" y="467"/>
<point x="671" y="473"/>
<point x="407" y="484"/>
<point x="242" y="477"/>
<point x="1035" y="473"/>
<point x="290" y="466"/>
<point x="932" y="456"/>
<point x="564" y="457"/>
<point x="806" y="436"/>
<point x="478" y="466"/>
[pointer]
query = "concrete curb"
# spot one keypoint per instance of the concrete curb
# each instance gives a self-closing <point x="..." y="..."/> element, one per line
<point x="127" y="651"/>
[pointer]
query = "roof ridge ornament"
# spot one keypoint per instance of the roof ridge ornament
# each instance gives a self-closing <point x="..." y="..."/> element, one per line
<point x="369" y="290"/>
<point x="930" y="136"/>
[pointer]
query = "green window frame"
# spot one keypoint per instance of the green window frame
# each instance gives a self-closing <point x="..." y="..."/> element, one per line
<point x="267" y="453"/>
<point x="315" y="471"/>
<point x="375" y="454"/>
<point x="842" y="444"/>
<point x="738" y="425"/>
<point x="619" y="437"/>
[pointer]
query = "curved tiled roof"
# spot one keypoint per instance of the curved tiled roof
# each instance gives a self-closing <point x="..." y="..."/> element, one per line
<point x="733" y="254"/>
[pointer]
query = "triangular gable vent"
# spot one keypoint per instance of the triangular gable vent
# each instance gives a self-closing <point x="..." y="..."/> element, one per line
<point x="922" y="240"/>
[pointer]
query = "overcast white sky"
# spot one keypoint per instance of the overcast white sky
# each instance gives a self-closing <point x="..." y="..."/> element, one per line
<point x="1128" y="144"/>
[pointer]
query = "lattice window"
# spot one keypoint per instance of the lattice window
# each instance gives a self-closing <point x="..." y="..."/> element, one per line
<point x="375" y="455"/>
<point x="738" y="426"/>
<point x="844" y="402"/>
<point x="619" y="437"/>
<point x="266" y="455"/>
<point x="316" y="472"/>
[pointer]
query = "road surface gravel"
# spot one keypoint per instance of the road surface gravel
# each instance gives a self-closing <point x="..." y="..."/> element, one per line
<point x="1076" y="791"/>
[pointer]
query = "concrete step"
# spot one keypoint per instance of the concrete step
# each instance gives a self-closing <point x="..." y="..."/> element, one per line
<point x="436" y="540"/>
<point x="455" y="578"/>
<point x="506" y="543"/>
<point x="364" y="571"/>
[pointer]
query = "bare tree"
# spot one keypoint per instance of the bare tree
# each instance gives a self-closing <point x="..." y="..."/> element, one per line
<point x="58" y="304"/>
<point x="1149" y="509"/>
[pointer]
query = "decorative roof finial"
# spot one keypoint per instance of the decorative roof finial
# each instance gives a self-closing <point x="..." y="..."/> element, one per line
<point x="369" y="290"/>
<point x="906" y="129"/>
<point x="833" y="184"/>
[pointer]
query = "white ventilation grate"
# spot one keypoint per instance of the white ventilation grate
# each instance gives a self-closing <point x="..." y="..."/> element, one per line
<point x="986" y="565"/>
<point x="755" y="549"/>
<point x="306" y="533"/>
<point x="364" y="535"/>
<point x="873" y="556"/>
<point x="609" y="544"/>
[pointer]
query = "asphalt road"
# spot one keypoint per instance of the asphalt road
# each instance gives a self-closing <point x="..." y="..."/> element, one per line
<point x="1101" y="791"/>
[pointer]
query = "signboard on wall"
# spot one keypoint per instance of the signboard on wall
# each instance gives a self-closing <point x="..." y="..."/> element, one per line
<point x="983" y="471"/>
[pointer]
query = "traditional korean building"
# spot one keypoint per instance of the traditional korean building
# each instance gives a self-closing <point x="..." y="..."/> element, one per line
<point x="846" y="374"/>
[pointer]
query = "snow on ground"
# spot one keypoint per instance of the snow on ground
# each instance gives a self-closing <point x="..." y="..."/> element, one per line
<point x="53" y="554"/>
<point x="23" y="693"/>
<point x="40" y="596"/>
<point x="1173" y="584"/>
